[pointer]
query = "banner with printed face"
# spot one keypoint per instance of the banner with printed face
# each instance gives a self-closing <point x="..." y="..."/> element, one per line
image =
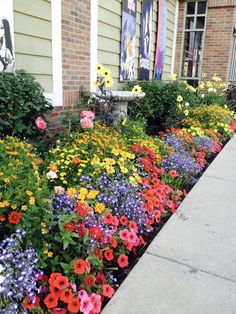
<point x="145" y="44"/>
<point x="161" y="39"/>
<point x="128" y="40"/>
<point x="7" y="60"/>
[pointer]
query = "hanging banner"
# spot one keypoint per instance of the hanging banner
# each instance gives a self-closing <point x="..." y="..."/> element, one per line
<point x="128" y="40"/>
<point x="161" y="39"/>
<point x="7" y="60"/>
<point x="145" y="44"/>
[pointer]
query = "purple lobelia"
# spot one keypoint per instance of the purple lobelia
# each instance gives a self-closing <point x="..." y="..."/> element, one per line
<point x="18" y="273"/>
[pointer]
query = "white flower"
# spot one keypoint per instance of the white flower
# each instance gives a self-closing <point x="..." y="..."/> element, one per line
<point x="179" y="98"/>
<point x="2" y="278"/>
<point x="187" y="104"/>
<point x="1" y="268"/>
<point x="203" y="95"/>
<point x="186" y="112"/>
<point x="51" y="175"/>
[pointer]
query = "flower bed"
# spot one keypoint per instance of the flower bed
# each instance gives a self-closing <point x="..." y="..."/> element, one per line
<point x="73" y="223"/>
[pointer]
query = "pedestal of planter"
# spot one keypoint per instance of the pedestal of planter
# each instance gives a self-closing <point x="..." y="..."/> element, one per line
<point x="120" y="100"/>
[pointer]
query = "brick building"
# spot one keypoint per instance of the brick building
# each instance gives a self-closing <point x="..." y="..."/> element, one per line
<point x="206" y="40"/>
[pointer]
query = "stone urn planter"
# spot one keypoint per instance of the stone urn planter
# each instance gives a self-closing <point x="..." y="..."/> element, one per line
<point x="119" y="101"/>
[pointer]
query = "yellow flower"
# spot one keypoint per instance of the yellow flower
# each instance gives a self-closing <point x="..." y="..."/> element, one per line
<point x="99" y="68"/>
<point x="108" y="82"/>
<point x="179" y="98"/>
<point x="6" y="180"/>
<point x="71" y="192"/>
<point x="106" y="73"/>
<point x="48" y="253"/>
<point x="29" y="193"/>
<point x="92" y="194"/>
<point x="96" y="83"/>
<point x="14" y="206"/>
<point x="99" y="208"/>
<point x="43" y="224"/>
<point x="32" y="200"/>
<point x="136" y="89"/>
<point x="173" y="77"/>
<point x="24" y="207"/>
<point x="186" y="112"/>
<point x="44" y="231"/>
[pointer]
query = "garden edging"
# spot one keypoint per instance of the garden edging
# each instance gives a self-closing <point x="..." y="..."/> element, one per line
<point x="190" y="266"/>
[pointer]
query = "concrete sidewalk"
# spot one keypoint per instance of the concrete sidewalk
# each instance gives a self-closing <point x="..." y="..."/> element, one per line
<point x="190" y="267"/>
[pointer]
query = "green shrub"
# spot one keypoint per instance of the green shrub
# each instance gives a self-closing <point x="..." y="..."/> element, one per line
<point x="21" y="103"/>
<point x="160" y="100"/>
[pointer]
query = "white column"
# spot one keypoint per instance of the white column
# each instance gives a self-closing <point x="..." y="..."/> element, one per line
<point x="175" y="36"/>
<point x="93" y="43"/>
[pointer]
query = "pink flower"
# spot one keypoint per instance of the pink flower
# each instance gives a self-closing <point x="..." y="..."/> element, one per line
<point x="87" y="265"/>
<point x="86" y="123"/>
<point x="87" y="114"/>
<point x="124" y="234"/>
<point x="97" y="302"/>
<point x="41" y="124"/>
<point x="86" y="305"/>
<point x="82" y="294"/>
<point x="132" y="237"/>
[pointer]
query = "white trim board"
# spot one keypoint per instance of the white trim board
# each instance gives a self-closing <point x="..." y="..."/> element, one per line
<point x="93" y="43"/>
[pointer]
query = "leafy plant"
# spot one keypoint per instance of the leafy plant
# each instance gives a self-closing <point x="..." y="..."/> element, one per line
<point x="21" y="102"/>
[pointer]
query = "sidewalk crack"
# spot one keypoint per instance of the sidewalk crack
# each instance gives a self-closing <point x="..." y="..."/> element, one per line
<point x="193" y="269"/>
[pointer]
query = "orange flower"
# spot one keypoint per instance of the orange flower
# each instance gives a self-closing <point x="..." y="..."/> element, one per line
<point x="74" y="305"/>
<point x="51" y="301"/>
<point x="109" y="254"/>
<point x="61" y="282"/>
<point x="66" y="295"/>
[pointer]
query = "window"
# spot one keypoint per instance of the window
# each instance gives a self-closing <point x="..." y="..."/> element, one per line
<point x="232" y="74"/>
<point x="195" y="20"/>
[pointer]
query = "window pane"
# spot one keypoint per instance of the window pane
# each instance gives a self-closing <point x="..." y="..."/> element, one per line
<point x="192" y="54"/>
<point x="201" y="7"/>
<point x="189" y="23"/>
<point x="200" y="22"/>
<point x="190" y="7"/>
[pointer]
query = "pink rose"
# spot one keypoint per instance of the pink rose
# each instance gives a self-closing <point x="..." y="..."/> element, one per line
<point x="87" y="114"/>
<point x="86" y="123"/>
<point x="41" y="124"/>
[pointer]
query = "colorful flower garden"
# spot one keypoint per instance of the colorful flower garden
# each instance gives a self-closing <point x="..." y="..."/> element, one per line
<point x="76" y="218"/>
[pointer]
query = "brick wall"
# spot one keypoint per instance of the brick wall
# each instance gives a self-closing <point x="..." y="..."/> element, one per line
<point x="218" y="41"/>
<point x="221" y="18"/>
<point x="75" y="54"/>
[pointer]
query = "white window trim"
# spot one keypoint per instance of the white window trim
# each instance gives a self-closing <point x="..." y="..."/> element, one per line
<point x="56" y="96"/>
<point x="175" y="37"/>
<point x="93" y="43"/>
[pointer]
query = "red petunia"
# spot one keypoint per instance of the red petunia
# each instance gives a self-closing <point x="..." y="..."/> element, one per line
<point x="82" y="209"/>
<point x="79" y="266"/>
<point x="61" y="282"/>
<point x="98" y="253"/>
<point x="59" y="311"/>
<point x="89" y="281"/>
<point x="107" y="291"/>
<point x="51" y="301"/>
<point x="66" y="295"/>
<point x="53" y="277"/>
<point x="74" y="305"/>
<point x="100" y="278"/>
<point x="113" y="241"/>
<point x="70" y="226"/>
<point x="108" y="219"/>
<point x="14" y="218"/>
<point x="76" y="161"/>
<point x="133" y="226"/>
<point x="109" y="254"/>
<point x="31" y="302"/>
<point x="123" y="260"/>
<point x="53" y="289"/>
<point x="123" y="220"/>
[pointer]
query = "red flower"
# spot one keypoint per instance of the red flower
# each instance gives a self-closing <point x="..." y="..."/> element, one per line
<point x="133" y="226"/>
<point x="113" y="242"/>
<point x="89" y="281"/>
<point x="233" y="125"/>
<point x="109" y="254"/>
<point x="74" y="305"/>
<point x="69" y="226"/>
<point x="98" y="253"/>
<point x="107" y="291"/>
<point x="123" y="220"/>
<point x="123" y="260"/>
<point x="173" y="173"/>
<point x="66" y="295"/>
<point x="100" y="278"/>
<point x="81" y="230"/>
<point x="51" y="300"/>
<point x="82" y="209"/>
<point x="61" y="282"/>
<point x="53" y="277"/>
<point x="79" y="266"/>
<point x="2" y="218"/>
<point x="59" y="311"/>
<point x="76" y="161"/>
<point x="41" y="124"/>
<point x="14" y="218"/>
<point x="31" y="302"/>
<point x="55" y="290"/>
<point x="95" y="232"/>
<point x="108" y="218"/>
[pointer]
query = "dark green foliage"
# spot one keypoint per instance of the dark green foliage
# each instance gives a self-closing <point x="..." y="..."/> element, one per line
<point x="160" y="100"/>
<point x="21" y="102"/>
<point x="231" y="97"/>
